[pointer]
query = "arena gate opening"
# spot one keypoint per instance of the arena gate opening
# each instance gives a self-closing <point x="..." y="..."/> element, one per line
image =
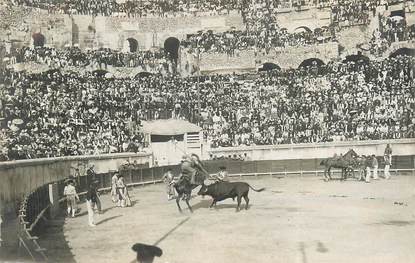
<point x="132" y="44"/>
<point x="171" y="47"/>
<point x="38" y="40"/>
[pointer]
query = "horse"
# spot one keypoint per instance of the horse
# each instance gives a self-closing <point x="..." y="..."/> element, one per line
<point x="184" y="186"/>
<point x="346" y="163"/>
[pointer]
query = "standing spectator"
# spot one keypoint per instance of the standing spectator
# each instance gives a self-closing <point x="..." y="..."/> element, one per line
<point x="375" y="167"/>
<point x="123" y="196"/>
<point x="387" y="166"/>
<point x="71" y="196"/>
<point x="388" y="151"/>
<point x="1" y="222"/>
<point x="114" y="180"/>
<point x="388" y="160"/>
<point x="368" y="164"/>
<point x="168" y="179"/>
<point x="91" y="200"/>
<point x="97" y="203"/>
<point x="90" y="173"/>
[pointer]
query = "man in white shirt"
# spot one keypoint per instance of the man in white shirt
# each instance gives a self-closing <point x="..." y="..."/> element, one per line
<point x="71" y="197"/>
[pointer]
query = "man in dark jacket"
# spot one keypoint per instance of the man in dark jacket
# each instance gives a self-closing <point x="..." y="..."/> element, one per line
<point x="91" y="200"/>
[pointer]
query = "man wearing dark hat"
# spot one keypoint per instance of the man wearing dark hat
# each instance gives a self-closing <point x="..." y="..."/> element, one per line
<point x="146" y="253"/>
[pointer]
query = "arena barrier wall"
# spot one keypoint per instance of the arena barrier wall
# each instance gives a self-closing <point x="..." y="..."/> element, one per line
<point x="310" y="151"/>
<point x="19" y="178"/>
<point x="296" y="166"/>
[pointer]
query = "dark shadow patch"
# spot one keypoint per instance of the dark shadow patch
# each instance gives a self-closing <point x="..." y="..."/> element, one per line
<point x="321" y="248"/>
<point x="369" y="198"/>
<point x="398" y="223"/>
<point x="202" y="204"/>
<point x="288" y="209"/>
<point x="228" y="206"/>
<point x="81" y="214"/>
<point x="134" y="202"/>
<point x="54" y="240"/>
<point x="108" y="219"/>
<point x="278" y="192"/>
<point x="302" y="251"/>
<point x="400" y="203"/>
<point x="206" y="204"/>
<point x="342" y="196"/>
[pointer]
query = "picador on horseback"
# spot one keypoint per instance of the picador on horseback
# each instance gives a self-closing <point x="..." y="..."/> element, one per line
<point x="193" y="175"/>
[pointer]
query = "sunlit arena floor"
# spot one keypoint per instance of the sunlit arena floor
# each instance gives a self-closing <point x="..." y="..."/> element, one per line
<point x="293" y="220"/>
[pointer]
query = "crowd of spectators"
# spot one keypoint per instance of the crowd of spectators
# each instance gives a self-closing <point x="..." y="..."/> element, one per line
<point x="131" y="8"/>
<point x="343" y="12"/>
<point x="392" y="29"/>
<point x="266" y="39"/>
<point x="338" y="102"/>
<point x="353" y="12"/>
<point x="150" y="61"/>
<point x="56" y="114"/>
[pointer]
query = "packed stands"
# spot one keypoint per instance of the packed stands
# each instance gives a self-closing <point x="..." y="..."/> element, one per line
<point x="56" y="113"/>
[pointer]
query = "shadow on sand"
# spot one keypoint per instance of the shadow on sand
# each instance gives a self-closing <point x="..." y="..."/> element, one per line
<point x="206" y="204"/>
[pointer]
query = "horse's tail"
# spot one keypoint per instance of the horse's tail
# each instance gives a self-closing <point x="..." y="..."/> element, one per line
<point x="323" y="162"/>
<point x="257" y="190"/>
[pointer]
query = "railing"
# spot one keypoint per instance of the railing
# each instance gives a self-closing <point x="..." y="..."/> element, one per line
<point x="28" y="207"/>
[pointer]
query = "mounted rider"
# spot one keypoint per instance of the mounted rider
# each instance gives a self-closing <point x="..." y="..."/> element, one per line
<point x="192" y="169"/>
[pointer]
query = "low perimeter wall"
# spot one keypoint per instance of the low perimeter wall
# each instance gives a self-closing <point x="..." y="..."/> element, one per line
<point x="19" y="178"/>
<point x="400" y="147"/>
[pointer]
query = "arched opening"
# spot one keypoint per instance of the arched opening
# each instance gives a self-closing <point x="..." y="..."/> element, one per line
<point x="171" y="47"/>
<point x="143" y="74"/>
<point x="38" y="40"/>
<point x="132" y="44"/>
<point x="311" y="62"/>
<point x="399" y="14"/>
<point x="359" y="58"/>
<point x="403" y="52"/>
<point x="268" y="66"/>
<point x="302" y="29"/>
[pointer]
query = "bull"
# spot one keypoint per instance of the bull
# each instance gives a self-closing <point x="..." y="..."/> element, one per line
<point x="223" y="190"/>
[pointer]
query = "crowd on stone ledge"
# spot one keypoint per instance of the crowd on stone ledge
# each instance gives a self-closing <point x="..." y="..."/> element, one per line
<point x="58" y="114"/>
<point x="262" y="40"/>
<point x="150" y="61"/>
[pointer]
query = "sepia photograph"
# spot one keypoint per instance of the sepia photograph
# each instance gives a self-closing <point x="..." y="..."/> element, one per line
<point x="207" y="131"/>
